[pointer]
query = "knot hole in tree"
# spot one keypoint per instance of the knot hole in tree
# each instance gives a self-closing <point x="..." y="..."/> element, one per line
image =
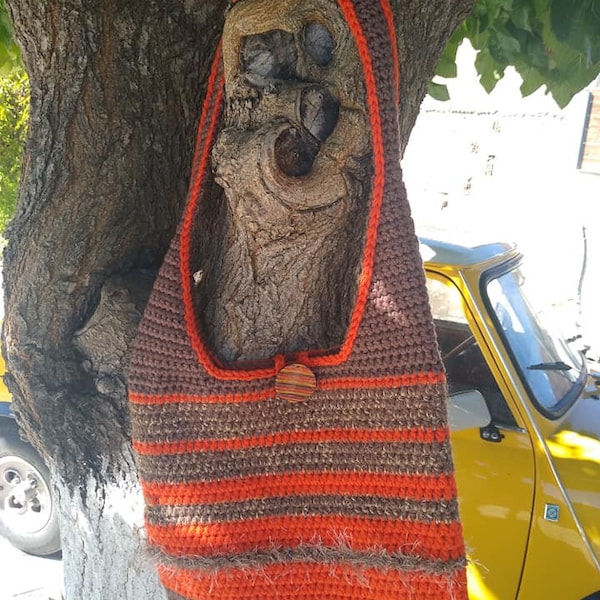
<point x="268" y="60"/>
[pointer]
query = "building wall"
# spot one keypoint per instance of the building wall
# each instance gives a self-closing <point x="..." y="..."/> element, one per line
<point x="590" y="151"/>
<point x="510" y="167"/>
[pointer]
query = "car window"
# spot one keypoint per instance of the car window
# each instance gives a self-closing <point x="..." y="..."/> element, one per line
<point x="466" y="367"/>
<point x="550" y="368"/>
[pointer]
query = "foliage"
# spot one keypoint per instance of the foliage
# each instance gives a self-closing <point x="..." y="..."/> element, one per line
<point x="14" y="111"/>
<point x="551" y="42"/>
<point x="9" y="51"/>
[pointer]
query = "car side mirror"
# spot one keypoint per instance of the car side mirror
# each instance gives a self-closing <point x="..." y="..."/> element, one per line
<point x="468" y="410"/>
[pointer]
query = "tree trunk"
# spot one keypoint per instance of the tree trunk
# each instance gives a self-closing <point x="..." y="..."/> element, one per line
<point x="116" y="89"/>
<point x="103" y="543"/>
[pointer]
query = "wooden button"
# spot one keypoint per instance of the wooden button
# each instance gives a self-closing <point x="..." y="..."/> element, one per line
<point x="295" y="383"/>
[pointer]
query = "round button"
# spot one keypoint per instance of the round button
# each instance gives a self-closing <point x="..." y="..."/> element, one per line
<point x="295" y="383"/>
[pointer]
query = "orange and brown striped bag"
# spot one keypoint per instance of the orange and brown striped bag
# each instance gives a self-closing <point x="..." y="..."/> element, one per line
<point x="346" y="494"/>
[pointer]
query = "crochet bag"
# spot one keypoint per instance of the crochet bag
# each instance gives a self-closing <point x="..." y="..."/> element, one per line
<point x="348" y="493"/>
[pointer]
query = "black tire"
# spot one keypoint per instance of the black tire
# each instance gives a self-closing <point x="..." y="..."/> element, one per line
<point x="28" y="515"/>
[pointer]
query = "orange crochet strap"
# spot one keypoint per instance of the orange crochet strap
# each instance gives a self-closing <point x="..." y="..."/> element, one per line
<point x="209" y="121"/>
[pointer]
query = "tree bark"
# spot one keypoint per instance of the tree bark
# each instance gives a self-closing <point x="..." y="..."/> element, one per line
<point x="116" y="88"/>
<point x="115" y="91"/>
<point x="293" y="170"/>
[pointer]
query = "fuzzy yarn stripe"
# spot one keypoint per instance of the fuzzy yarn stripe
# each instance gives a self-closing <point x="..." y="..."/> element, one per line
<point x="348" y="494"/>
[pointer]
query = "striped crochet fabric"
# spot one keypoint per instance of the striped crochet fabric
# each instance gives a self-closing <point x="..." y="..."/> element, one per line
<point x="346" y="493"/>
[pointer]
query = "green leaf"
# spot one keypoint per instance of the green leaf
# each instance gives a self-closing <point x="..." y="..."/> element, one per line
<point x="475" y="31"/>
<point x="489" y="70"/>
<point x="438" y="91"/>
<point x="504" y="47"/>
<point x="534" y="53"/>
<point x="562" y="94"/>
<point x="521" y="16"/>
<point x="14" y="111"/>
<point x="577" y="24"/>
<point x="446" y="67"/>
<point x="492" y="11"/>
<point x="533" y="80"/>
<point x="9" y="51"/>
<point x="551" y="42"/>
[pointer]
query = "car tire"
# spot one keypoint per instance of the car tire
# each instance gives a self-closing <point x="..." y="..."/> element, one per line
<point x="28" y="513"/>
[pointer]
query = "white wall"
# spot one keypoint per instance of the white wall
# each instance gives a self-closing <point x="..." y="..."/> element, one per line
<point x="530" y="191"/>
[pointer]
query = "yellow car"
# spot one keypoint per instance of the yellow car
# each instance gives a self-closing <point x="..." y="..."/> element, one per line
<point x="28" y="513"/>
<point x="525" y="419"/>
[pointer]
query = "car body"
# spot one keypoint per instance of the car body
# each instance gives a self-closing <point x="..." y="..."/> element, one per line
<point x="28" y="512"/>
<point x="528" y="459"/>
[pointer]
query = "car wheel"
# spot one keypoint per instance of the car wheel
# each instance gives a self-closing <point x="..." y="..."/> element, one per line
<point x="28" y="515"/>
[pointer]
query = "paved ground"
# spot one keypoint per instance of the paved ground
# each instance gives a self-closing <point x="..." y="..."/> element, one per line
<point x="26" y="577"/>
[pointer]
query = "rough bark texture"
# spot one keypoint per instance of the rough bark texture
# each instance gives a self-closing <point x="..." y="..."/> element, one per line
<point x="116" y="90"/>
<point x="293" y="160"/>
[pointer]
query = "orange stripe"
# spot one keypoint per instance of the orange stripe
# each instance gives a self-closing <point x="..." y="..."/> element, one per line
<point x="392" y="381"/>
<point x="238" y="398"/>
<point x="349" y="436"/>
<point x="411" y="379"/>
<point x="441" y="541"/>
<point x="307" y="581"/>
<point x="383" y="485"/>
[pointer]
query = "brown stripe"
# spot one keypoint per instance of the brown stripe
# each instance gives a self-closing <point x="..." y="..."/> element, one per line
<point x="383" y="485"/>
<point x="404" y="458"/>
<point x="261" y="508"/>
<point x="317" y="553"/>
<point x="392" y="409"/>
<point x="306" y="436"/>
